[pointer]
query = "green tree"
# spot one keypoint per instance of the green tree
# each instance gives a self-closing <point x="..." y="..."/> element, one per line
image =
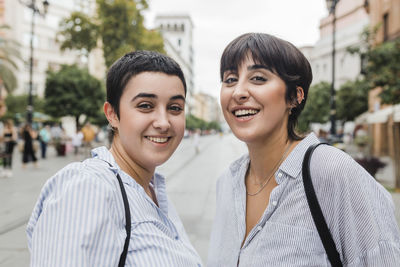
<point x="122" y="29"/>
<point x="72" y="91"/>
<point x="16" y="106"/>
<point x="8" y="55"/>
<point x="119" y="25"/>
<point x="382" y="68"/>
<point x="352" y="99"/>
<point x="78" y="32"/>
<point x="192" y="123"/>
<point x="317" y="106"/>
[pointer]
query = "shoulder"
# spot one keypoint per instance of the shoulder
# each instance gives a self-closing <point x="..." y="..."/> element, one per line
<point x="337" y="167"/>
<point x="90" y="175"/>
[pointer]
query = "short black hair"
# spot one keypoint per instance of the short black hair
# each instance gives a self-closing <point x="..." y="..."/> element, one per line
<point x="134" y="63"/>
<point x="284" y="59"/>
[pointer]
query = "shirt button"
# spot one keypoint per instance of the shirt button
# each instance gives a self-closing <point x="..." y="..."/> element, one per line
<point x="259" y="228"/>
<point x="280" y="175"/>
<point x="176" y="237"/>
<point x="274" y="203"/>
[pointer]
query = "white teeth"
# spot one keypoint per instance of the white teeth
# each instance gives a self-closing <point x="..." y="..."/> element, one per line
<point x="158" y="139"/>
<point x="241" y="112"/>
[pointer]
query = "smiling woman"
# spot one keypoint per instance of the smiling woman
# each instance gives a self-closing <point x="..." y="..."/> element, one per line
<point x="263" y="216"/>
<point x="79" y="219"/>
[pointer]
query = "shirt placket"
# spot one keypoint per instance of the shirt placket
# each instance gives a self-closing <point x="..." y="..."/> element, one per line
<point x="272" y="205"/>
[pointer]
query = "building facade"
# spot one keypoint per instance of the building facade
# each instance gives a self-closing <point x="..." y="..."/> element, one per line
<point x="384" y="120"/>
<point x="46" y="49"/>
<point x="206" y="107"/>
<point x="351" y="20"/>
<point x="177" y="32"/>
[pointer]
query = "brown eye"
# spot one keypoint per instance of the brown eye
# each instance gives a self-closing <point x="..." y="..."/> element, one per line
<point x="175" y="108"/>
<point x="145" y="106"/>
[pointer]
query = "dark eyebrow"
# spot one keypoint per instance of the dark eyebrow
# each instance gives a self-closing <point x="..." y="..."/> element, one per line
<point x="145" y="95"/>
<point x="258" y="66"/>
<point x="175" y="97"/>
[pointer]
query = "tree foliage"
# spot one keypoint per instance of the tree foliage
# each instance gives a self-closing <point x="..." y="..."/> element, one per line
<point x="78" y="32"/>
<point x="73" y="92"/>
<point x="317" y="106"/>
<point x="352" y="99"/>
<point x="118" y="23"/>
<point x="382" y="68"/>
<point x="193" y="123"/>
<point x="9" y="53"/>
<point x="16" y="106"/>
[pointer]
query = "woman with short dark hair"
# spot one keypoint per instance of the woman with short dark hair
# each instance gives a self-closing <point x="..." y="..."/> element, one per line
<point x="263" y="217"/>
<point x="112" y="209"/>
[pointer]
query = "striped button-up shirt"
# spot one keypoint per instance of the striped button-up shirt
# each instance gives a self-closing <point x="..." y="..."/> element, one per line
<point x="79" y="220"/>
<point x="359" y="213"/>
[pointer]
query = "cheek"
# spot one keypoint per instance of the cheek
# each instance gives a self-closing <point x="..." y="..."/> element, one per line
<point x="179" y="123"/>
<point x="225" y="96"/>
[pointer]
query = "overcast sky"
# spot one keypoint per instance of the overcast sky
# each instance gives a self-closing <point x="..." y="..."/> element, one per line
<point x="217" y="22"/>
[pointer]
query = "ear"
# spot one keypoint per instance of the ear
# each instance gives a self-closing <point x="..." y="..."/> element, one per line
<point x="111" y="115"/>
<point x="300" y="94"/>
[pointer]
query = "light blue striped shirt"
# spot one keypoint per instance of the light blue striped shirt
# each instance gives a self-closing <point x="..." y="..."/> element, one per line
<point x="79" y="220"/>
<point x="359" y="213"/>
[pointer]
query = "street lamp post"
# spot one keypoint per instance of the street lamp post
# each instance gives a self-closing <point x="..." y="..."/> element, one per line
<point x="331" y="5"/>
<point x="35" y="10"/>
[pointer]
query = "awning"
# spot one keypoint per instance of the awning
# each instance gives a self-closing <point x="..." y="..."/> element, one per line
<point x="379" y="116"/>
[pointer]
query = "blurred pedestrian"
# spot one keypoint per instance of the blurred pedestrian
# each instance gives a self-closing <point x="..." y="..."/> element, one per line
<point x="264" y="208"/>
<point x="44" y="139"/>
<point x="10" y="137"/>
<point x="79" y="219"/>
<point x="196" y="141"/>
<point x="77" y="141"/>
<point x="89" y="135"/>
<point x="28" y="154"/>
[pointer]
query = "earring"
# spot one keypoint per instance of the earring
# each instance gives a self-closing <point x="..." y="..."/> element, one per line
<point x="290" y="111"/>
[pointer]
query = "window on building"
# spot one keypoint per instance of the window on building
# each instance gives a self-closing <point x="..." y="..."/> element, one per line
<point x="363" y="62"/>
<point x="183" y="27"/>
<point x="179" y="42"/>
<point x="175" y="27"/>
<point x="385" y="26"/>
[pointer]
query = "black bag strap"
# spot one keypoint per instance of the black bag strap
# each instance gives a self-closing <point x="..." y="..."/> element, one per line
<point x="316" y="212"/>
<point x="124" y="253"/>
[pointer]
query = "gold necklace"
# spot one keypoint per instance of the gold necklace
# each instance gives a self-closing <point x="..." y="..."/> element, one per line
<point x="271" y="174"/>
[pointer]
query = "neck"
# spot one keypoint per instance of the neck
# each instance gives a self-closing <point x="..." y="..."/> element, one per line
<point x="268" y="155"/>
<point x="140" y="174"/>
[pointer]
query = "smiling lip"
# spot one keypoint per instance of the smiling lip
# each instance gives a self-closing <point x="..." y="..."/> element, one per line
<point x="158" y="140"/>
<point x="244" y="113"/>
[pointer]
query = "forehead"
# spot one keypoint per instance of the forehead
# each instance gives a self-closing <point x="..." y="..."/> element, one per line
<point x="157" y="83"/>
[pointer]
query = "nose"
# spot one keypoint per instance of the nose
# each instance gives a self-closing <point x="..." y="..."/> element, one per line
<point x="161" y="121"/>
<point x="241" y="93"/>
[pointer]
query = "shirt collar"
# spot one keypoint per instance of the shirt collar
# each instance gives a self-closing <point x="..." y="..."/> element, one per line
<point x="293" y="163"/>
<point x="104" y="154"/>
<point x="291" y="166"/>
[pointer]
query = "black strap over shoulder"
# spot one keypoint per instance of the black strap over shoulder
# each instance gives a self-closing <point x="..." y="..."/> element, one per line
<point x="124" y="253"/>
<point x="316" y="211"/>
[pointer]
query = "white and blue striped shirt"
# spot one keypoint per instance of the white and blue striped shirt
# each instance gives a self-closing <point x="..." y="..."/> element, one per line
<point x="79" y="220"/>
<point x="359" y="213"/>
